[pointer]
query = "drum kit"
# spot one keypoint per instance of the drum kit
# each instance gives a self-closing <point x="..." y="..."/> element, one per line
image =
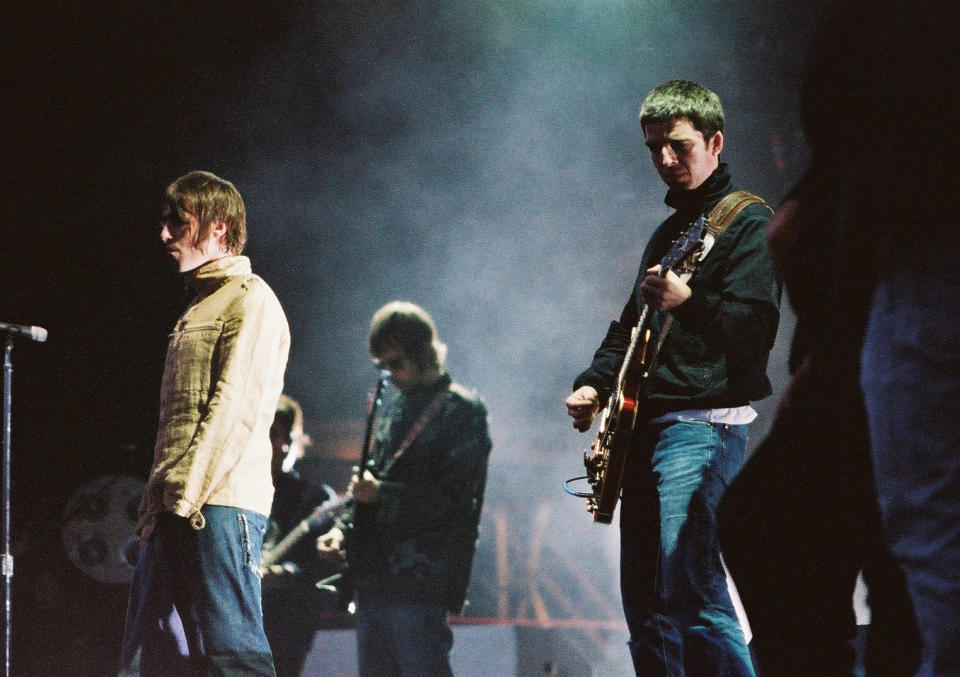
<point x="99" y="532"/>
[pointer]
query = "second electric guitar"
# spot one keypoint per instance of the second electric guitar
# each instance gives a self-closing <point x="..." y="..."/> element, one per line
<point x="617" y="419"/>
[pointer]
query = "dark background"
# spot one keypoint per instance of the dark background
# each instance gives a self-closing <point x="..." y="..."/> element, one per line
<point x="482" y="159"/>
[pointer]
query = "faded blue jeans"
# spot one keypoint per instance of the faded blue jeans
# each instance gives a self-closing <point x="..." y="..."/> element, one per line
<point x="402" y="639"/>
<point x="911" y="384"/>
<point x="675" y="599"/>
<point x="195" y="603"/>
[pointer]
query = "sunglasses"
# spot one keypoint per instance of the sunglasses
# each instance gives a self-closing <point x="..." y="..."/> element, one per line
<point x="392" y="363"/>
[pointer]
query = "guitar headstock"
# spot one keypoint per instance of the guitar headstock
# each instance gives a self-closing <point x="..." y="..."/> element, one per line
<point x="681" y="257"/>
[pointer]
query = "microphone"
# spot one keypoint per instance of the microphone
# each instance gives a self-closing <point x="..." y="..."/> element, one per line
<point x="38" y="334"/>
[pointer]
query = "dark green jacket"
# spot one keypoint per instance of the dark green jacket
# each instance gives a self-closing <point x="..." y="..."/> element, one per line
<point x="417" y="542"/>
<point x="715" y="354"/>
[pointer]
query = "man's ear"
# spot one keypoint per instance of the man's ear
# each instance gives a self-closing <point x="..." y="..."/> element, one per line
<point x="715" y="145"/>
<point x="218" y="229"/>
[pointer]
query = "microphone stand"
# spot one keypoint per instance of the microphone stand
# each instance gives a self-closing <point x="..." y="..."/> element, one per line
<point x="6" y="559"/>
<point x="6" y="565"/>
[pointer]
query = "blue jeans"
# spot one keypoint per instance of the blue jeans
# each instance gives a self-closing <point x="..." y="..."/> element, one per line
<point x="195" y="605"/>
<point x="402" y="639"/>
<point x="675" y="598"/>
<point x="911" y="383"/>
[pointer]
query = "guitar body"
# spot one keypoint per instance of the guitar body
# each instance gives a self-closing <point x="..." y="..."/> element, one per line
<point x="607" y="460"/>
<point x="617" y="420"/>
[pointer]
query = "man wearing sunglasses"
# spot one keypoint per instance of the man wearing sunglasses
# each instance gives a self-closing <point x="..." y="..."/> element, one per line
<point x="413" y="527"/>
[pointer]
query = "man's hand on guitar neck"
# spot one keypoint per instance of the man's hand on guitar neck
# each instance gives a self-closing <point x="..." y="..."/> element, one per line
<point x="664" y="293"/>
<point x="583" y="405"/>
<point x="365" y="489"/>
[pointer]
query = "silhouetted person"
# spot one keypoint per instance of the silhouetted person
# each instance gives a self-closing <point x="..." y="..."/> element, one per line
<point x="803" y="517"/>
<point x="904" y="193"/>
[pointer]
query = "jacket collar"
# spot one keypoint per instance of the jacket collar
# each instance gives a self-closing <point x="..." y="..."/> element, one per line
<point x="208" y="277"/>
<point x="710" y="191"/>
<point x="419" y="397"/>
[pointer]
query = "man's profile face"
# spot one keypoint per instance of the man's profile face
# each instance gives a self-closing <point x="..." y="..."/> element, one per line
<point x="178" y="238"/>
<point x="682" y="157"/>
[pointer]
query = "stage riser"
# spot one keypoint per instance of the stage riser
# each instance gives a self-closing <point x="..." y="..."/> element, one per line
<point x="478" y="651"/>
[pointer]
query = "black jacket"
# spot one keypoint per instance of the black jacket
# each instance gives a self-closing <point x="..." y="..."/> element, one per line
<point x="417" y="542"/>
<point x="715" y="354"/>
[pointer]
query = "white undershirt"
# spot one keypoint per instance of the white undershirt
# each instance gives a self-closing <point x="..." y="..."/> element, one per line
<point x="730" y="415"/>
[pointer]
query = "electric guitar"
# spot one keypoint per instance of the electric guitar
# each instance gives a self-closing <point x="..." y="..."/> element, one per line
<point x="606" y="459"/>
<point x="322" y="513"/>
<point x="342" y="584"/>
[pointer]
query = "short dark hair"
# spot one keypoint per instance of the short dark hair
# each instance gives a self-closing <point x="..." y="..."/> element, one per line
<point x="678" y="99"/>
<point x="209" y="198"/>
<point x="408" y="329"/>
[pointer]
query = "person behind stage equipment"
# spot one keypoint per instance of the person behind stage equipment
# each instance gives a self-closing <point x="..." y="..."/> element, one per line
<point x="294" y="609"/>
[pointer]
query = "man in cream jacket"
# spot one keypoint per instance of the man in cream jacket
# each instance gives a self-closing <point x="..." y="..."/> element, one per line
<point x="195" y="601"/>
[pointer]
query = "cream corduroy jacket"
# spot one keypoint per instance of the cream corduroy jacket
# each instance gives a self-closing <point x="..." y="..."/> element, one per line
<point x="223" y="377"/>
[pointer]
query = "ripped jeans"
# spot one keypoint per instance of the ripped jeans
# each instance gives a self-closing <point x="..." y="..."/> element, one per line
<point x="195" y="601"/>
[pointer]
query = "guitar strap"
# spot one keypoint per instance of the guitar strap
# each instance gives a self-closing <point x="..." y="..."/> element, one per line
<point x="422" y="422"/>
<point x="719" y="218"/>
<point x="725" y="211"/>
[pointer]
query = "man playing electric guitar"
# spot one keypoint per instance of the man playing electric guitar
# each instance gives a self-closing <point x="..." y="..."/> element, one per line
<point x="691" y="428"/>
<point x="416" y="504"/>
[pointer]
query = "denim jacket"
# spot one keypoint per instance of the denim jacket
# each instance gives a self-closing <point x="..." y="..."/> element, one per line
<point x="223" y="376"/>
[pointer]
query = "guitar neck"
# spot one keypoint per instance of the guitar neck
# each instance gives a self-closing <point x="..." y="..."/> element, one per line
<point x="683" y="248"/>
<point x="635" y="340"/>
<point x="303" y="527"/>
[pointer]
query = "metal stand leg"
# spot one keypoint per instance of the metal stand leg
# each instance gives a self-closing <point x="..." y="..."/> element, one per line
<point x="6" y="565"/>
<point x="6" y="560"/>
